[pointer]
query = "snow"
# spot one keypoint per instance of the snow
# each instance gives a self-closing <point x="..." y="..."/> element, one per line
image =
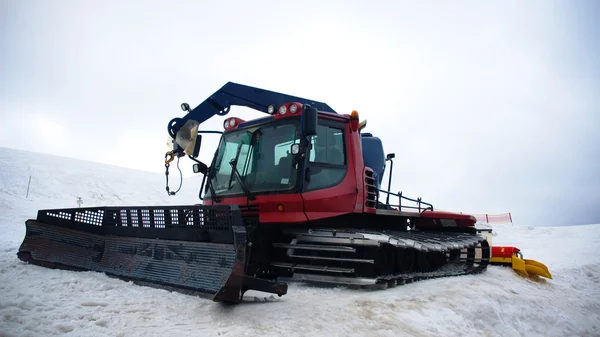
<point x="36" y="301"/>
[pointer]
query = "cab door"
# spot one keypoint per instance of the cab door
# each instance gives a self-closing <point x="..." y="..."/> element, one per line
<point x="329" y="186"/>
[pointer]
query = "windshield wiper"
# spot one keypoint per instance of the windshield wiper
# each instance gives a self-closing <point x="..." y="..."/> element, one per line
<point x="233" y="164"/>
<point x="238" y="176"/>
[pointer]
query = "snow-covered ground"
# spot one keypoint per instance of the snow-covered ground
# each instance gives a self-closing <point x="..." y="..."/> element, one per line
<point x="36" y="301"/>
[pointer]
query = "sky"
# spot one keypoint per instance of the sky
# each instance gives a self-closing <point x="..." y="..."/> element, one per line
<point x="490" y="107"/>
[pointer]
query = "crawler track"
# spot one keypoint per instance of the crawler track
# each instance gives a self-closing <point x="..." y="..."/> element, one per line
<point x="378" y="259"/>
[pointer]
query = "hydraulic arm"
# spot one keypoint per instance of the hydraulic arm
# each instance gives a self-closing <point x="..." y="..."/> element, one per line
<point x="184" y="129"/>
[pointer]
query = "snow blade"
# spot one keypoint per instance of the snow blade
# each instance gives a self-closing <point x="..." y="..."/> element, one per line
<point x="536" y="268"/>
<point x="198" y="250"/>
<point x="512" y="256"/>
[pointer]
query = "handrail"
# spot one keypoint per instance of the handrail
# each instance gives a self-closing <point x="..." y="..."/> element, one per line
<point x="418" y="201"/>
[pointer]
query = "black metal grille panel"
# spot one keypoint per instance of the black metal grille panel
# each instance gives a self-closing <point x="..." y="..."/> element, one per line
<point x="204" y="266"/>
<point x="200" y="267"/>
<point x="192" y="249"/>
<point x="196" y="216"/>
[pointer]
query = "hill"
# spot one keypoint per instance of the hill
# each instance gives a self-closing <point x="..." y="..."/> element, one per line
<point x="35" y="301"/>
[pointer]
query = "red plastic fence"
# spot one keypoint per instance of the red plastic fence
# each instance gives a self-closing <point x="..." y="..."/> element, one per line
<point x="494" y="218"/>
<point x="491" y="218"/>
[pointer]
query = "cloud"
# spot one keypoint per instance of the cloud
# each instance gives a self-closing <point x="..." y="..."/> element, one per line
<point x="489" y="107"/>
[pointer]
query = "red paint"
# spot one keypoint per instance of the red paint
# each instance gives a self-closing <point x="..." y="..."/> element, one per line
<point x="267" y="207"/>
<point x="237" y="121"/>
<point x="333" y="201"/>
<point x="346" y="197"/>
<point x="349" y="195"/>
<point x="504" y="251"/>
<point x="334" y="117"/>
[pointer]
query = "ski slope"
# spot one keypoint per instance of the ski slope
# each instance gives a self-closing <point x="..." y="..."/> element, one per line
<point x="36" y="301"/>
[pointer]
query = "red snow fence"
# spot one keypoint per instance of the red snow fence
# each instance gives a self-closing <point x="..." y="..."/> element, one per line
<point x="501" y="218"/>
<point x="494" y="218"/>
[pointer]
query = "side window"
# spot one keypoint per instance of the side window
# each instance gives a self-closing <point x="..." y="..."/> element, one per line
<point x="244" y="164"/>
<point x="282" y="150"/>
<point x="328" y="146"/>
<point x="229" y="154"/>
<point x="327" y="158"/>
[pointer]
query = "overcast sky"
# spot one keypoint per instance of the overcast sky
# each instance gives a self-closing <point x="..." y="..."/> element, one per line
<point x="490" y="107"/>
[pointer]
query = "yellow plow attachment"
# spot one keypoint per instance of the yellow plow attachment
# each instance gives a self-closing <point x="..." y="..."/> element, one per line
<point x="524" y="267"/>
<point x="527" y="267"/>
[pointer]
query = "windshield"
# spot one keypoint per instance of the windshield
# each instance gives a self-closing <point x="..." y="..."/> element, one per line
<point x="264" y="159"/>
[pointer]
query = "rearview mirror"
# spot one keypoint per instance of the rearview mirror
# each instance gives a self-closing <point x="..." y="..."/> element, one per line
<point x="197" y="146"/>
<point x="200" y="168"/>
<point x="309" y="127"/>
<point x="295" y="149"/>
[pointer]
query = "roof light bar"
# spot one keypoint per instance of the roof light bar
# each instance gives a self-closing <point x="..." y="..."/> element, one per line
<point x="232" y="123"/>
